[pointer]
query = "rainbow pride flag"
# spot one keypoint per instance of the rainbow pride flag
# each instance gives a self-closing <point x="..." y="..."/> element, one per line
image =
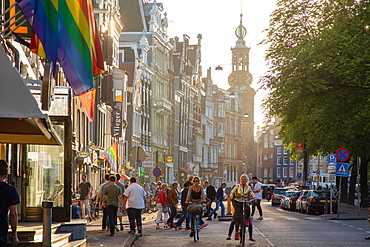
<point x="112" y="156"/>
<point x="67" y="33"/>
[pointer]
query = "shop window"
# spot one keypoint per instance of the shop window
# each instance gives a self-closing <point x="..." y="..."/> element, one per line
<point x="45" y="172"/>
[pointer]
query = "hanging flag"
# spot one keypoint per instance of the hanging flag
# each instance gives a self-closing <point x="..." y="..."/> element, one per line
<point x="88" y="102"/>
<point x="68" y="34"/>
<point x="112" y="156"/>
<point x="128" y="165"/>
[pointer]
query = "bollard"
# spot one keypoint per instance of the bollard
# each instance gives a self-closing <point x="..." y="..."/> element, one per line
<point x="47" y="207"/>
<point x="228" y="205"/>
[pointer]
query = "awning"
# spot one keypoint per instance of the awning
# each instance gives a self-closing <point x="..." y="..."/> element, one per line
<point x="21" y="120"/>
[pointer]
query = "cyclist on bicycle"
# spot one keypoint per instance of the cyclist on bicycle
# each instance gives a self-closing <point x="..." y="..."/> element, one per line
<point x="241" y="192"/>
<point x="195" y="195"/>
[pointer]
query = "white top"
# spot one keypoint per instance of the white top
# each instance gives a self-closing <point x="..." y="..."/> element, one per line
<point x="135" y="196"/>
<point x="257" y="186"/>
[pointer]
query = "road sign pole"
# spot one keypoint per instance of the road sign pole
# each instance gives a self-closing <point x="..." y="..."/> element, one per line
<point x="340" y="192"/>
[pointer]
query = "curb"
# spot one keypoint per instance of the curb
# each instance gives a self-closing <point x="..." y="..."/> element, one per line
<point x="131" y="240"/>
<point x="348" y="218"/>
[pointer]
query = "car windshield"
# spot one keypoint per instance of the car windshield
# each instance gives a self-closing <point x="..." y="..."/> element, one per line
<point x="289" y="193"/>
<point x="321" y="194"/>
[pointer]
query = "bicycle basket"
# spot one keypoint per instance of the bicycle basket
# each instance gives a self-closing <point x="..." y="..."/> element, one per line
<point x="195" y="207"/>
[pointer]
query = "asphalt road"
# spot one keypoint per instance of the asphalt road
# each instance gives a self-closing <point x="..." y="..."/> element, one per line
<point x="278" y="228"/>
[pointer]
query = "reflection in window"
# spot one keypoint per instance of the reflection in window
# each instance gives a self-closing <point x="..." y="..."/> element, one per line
<point x="45" y="172"/>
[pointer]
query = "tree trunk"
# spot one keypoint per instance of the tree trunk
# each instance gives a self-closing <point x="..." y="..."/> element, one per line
<point x="363" y="181"/>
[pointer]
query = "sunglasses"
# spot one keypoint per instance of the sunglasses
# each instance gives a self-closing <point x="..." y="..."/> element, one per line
<point x="195" y="180"/>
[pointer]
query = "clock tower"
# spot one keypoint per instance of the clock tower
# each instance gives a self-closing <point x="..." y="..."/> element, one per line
<point x="240" y="80"/>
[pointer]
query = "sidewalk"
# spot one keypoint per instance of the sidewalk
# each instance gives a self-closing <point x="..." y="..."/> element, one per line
<point x="96" y="237"/>
<point x="348" y="212"/>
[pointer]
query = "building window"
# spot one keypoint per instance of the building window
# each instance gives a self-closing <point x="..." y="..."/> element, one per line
<point x="279" y="149"/>
<point x="285" y="172"/>
<point x="291" y="172"/>
<point x="221" y="110"/>
<point x="285" y="151"/>
<point x="278" y="172"/>
<point x="285" y="160"/>
<point x="221" y="130"/>
<point x="265" y="141"/>
<point x="279" y="160"/>
<point x="265" y="156"/>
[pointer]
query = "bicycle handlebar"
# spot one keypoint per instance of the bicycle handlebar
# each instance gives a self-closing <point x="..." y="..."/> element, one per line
<point x="251" y="200"/>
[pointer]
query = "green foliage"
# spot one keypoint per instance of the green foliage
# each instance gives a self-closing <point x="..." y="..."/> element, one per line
<point x="319" y="75"/>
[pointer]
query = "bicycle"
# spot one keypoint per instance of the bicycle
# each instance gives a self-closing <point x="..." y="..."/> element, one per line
<point x="243" y="222"/>
<point x="195" y="220"/>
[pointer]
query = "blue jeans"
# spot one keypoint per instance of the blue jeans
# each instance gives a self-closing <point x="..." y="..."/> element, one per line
<point x="218" y="204"/>
<point x="112" y="215"/>
<point x="173" y="213"/>
<point x="184" y="216"/>
<point x="134" y="214"/>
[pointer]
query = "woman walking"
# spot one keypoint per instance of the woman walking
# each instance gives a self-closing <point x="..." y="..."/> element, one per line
<point x="162" y="206"/>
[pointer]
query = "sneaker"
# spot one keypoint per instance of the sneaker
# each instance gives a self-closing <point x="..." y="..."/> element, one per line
<point x="131" y="232"/>
<point x="202" y="226"/>
<point x="252" y="240"/>
<point x="112" y="234"/>
<point x="191" y="234"/>
<point x="139" y="231"/>
<point x="209" y="218"/>
<point x="260" y="218"/>
<point x="121" y="227"/>
<point x="368" y="238"/>
<point x="237" y="236"/>
<point x="90" y="219"/>
<point x="215" y="216"/>
<point x="228" y="238"/>
<point x="117" y="230"/>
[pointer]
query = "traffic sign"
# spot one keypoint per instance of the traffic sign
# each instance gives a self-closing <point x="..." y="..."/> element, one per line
<point x="169" y="158"/>
<point x="157" y="172"/>
<point x="342" y="154"/>
<point x="342" y="170"/>
<point x="332" y="160"/>
<point x="299" y="175"/>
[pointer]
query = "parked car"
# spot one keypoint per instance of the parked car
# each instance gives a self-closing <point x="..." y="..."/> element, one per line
<point x="318" y="199"/>
<point x="285" y="199"/>
<point x="277" y="195"/>
<point x="266" y="187"/>
<point x="301" y="205"/>
<point x="292" y="201"/>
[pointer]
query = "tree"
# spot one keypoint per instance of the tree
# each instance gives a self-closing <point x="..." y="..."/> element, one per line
<point x="319" y="75"/>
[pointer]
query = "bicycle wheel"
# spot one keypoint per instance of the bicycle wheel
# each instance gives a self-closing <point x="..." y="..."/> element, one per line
<point x="195" y="228"/>
<point x="242" y="232"/>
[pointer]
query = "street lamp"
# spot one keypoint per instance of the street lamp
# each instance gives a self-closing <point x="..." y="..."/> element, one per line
<point x="232" y="95"/>
<point x="246" y="115"/>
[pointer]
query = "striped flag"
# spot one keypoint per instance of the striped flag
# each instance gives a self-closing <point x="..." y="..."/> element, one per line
<point x="66" y="32"/>
<point x="112" y="156"/>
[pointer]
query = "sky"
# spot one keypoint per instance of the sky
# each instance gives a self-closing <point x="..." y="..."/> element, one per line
<point x="217" y="20"/>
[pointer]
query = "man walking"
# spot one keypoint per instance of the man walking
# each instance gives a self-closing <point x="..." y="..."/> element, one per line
<point x="173" y="200"/>
<point x="134" y="197"/>
<point x="211" y="194"/>
<point x="184" y="213"/>
<point x="8" y="205"/>
<point x="219" y="202"/>
<point x="101" y="203"/>
<point x="84" y="189"/>
<point x="122" y="187"/>
<point x="258" y="193"/>
<point x="113" y="196"/>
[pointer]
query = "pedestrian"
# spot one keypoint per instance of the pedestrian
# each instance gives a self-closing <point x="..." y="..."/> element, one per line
<point x="190" y="180"/>
<point x="157" y="191"/>
<point x="368" y="220"/>
<point x="257" y="190"/>
<point x="9" y="200"/>
<point x="173" y="200"/>
<point x="195" y="195"/>
<point x="112" y="195"/>
<point x="162" y="207"/>
<point x="241" y="192"/>
<point x="219" y="202"/>
<point x="119" y="212"/>
<point x="211" y="195"/>
<point x="134" y="197"/>
<point x="184" y="213"/>
<point x="101" y="203"/>
<point x="84" y="188"/>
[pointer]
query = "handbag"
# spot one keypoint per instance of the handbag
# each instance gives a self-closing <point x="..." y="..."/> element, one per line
<point x="195" y="207"/>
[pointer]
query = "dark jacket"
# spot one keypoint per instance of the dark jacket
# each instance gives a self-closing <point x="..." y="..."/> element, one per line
<point x="184" y="193"/>
<point x="220" y="194"/>
<point x="211" y="192"/>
